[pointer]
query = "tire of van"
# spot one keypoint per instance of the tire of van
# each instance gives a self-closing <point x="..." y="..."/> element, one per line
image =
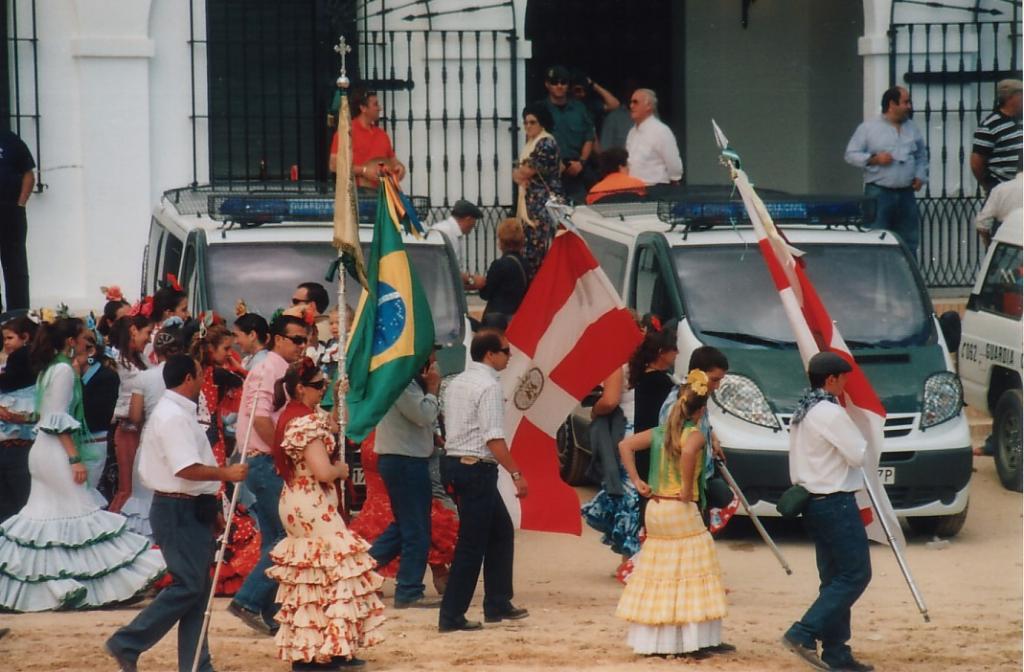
<point x="572" y="462"/>
<point x="1006" y="432"/>
<point x="939" y="526"/>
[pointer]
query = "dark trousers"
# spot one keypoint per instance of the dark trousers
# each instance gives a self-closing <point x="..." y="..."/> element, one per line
<point x="407" y="480"/>
<point x="844" y="567"/>
<point x="186" y="540"/>
<point x="15" y="481"/>
<point x="486" y="537"/>
<point x="13" y="256"/>
<point x="896" y="210"/>
<point x="258" y="590"/>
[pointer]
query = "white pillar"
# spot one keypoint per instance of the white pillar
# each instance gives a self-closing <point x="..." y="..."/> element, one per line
<point x="111" y="51"/>
<point x="873" y="46"/>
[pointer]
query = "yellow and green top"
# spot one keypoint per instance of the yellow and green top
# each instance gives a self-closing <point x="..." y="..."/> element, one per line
<point x="666" y="478"/>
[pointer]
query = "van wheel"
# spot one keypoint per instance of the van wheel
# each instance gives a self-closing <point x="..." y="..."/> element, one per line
<point x="938" y="526"/>
<point x="1006" y="430"/>
<point x="572" y="461"/>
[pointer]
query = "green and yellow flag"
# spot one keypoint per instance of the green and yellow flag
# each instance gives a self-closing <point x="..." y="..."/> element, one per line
<point x="394" y="331"/>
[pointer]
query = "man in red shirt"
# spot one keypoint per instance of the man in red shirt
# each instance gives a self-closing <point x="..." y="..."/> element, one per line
<point x="370" y="143"/>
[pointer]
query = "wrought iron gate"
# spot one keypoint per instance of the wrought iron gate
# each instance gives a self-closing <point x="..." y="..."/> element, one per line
<point x="951" y="69"/>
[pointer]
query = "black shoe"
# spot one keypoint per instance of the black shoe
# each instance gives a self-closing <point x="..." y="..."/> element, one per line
<point x="721" y="647"/>
<point x="300" y="666"/>
<point x="250" y="618"/>
<point x="421" y="602"/>
<point x="806" y="653"/>
<point x="465" y="625"/>
<point x="699" y="654"/>
<point x="851" y="665"/>
<point x="510" y="614"/>
<point x="124" y="663"/>
<point x="348" y="663"/>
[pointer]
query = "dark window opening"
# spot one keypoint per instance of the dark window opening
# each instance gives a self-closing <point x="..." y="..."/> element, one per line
<point x="19" y="76"/>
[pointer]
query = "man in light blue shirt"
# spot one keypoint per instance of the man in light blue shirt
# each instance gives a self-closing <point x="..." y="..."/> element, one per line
<point x="892" y="152"/>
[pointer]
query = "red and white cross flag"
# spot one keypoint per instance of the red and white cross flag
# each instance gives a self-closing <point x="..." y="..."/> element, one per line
<point x="815" y="333"/>
<point x="570" y="332"/>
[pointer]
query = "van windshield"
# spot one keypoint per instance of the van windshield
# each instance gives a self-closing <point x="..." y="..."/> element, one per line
<point x="264" y="275"/>
<point x="869" y="290"/>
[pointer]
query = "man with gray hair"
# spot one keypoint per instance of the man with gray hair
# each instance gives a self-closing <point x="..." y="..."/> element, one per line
<point x="653" y="152"/>
<point x="997" y="141"/>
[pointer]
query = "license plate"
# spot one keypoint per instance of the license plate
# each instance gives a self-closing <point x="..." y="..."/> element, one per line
<point x="887" y="475"/>
<point x="358" y="477"/>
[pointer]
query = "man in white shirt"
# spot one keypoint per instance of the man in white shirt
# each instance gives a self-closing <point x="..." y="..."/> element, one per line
<point x="653" y="152"/>
<point x="826" y="452"/>
<point x="474" y="448"/>
<point x="459" y="224"/>
<point x="176" y="461"/>
<point x="1004" y="198"/>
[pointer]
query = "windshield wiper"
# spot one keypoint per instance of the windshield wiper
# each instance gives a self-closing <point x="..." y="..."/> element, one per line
<point x="740" y="337"/>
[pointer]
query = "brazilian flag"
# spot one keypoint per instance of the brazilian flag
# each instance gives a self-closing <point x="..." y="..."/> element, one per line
<point x="393" y="332"/>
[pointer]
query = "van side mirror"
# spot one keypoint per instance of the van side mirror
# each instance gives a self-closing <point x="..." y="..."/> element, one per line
<point x="949" y="323"/>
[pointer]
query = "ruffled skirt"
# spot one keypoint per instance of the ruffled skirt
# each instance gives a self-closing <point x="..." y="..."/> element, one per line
<point x="674" y="600"/>
<point x="327" y="588"/>
<point x="616" y="517"/>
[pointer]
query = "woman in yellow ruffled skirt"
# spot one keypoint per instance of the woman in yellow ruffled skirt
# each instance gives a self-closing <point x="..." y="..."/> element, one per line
<point x="327" y="589"/>
<point x="674" y="600"/>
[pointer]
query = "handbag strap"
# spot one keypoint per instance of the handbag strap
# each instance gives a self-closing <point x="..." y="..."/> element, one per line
<point x="522" y="270"/>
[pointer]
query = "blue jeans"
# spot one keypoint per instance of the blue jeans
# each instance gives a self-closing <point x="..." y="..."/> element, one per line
<point x="844" y="567"/>
<point x="188" y="547"/>
<point x="486" y="537"/>
<point x="257" y="592"/>
<point x="407" y="480"/>
<point x="896" y="210"/>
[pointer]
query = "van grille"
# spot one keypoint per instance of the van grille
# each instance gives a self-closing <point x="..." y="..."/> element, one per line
<point x="896" y="426"/>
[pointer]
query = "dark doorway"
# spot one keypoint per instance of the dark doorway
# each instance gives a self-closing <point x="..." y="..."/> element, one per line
<point x="616" y="43"/>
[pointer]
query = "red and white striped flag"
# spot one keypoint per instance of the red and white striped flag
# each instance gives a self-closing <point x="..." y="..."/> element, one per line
<point x="815" y="333"/>
<point x="570" y="332"/>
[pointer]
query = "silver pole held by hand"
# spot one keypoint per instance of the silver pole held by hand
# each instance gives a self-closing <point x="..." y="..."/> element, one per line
<point x="753" y="517"/>
<point x="222" y="548"/>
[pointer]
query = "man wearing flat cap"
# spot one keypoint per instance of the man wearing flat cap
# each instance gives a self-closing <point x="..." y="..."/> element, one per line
<point x="996" y="152"/>
<point x="826" y="451"/>
<point x="459" y="224"/>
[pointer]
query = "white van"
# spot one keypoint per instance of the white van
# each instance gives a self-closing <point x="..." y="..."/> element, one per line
<point x="991" y="353"/>
<point x="692" y="257"/>
<point x="229" y="245"/>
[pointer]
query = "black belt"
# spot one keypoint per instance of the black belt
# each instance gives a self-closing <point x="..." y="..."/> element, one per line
<point x="174" y="495"/>
<point x="841" y="493"/>
<point x="908" y="188"/>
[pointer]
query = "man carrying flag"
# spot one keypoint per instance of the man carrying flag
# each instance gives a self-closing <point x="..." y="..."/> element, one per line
<point x="825" y="452"/>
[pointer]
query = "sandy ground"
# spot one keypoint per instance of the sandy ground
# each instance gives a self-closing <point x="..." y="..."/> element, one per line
<point x="973" y="589"/>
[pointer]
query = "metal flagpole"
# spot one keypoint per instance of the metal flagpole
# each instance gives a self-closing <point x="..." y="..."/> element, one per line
<point x="753" y="517"/>
<point x="222" y="548"/>
<point x="894" y="545"/>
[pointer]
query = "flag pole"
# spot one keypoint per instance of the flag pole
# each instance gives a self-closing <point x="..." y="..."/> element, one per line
<point x="343" y="195"/>
<point x="753" y="517"/>
<point x="222" y="548"/>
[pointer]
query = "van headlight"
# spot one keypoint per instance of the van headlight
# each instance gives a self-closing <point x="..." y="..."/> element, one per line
<point x="740" y="396"/>
<point x="943" y="398"/>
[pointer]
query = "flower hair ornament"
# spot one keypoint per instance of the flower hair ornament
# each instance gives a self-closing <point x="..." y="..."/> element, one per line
<point x="143" y="306"/>
<point x="112" y="293"/>
<point x="655" y="323"/>
<point x="172" y="282"/>
<point x="698" y="381"/>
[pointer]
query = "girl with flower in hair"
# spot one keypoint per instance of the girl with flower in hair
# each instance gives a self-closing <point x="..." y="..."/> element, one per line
<point x="131" y="336"/>
<point x="674" y="600"/>
<point x="17" y="417"/>
<point x="327" y="587"/>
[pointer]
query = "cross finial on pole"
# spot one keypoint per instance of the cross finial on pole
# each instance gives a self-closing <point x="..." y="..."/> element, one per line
<point x="342" y="49"/>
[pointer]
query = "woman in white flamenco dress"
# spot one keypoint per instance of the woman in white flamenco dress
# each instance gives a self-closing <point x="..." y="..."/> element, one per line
<point x="61" y="551"/>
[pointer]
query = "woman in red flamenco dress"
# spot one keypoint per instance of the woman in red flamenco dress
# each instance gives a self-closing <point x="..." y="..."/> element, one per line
<point x="375" y="516"/>
<point x="218" y="397"/>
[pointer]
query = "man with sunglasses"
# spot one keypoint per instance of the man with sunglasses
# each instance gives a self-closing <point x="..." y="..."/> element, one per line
<point x="573" y="130"/>
<point x="254" y="602"/>
<point x="474" y="448"/>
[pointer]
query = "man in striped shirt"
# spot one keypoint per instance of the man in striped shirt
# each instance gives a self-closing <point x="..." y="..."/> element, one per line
<point x="997" y="141"/>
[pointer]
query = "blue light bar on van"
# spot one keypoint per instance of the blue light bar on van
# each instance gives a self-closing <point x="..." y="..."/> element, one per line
<point x="255" y="209"/>
<point x="805" y="211"/>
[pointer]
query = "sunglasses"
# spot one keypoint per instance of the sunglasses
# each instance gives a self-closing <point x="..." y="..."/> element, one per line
<point x="316" y="384"/>
<point x="297" y="340"/>
<point x="299" y="302"/>
<point x="507" y="350"/>
<point x="558" y="82"/>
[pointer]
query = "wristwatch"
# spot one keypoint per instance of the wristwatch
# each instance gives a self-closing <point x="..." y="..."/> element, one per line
<point x="516" y="475"/>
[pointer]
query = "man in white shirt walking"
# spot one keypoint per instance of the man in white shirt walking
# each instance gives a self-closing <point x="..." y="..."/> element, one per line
<point x="176" y="461"/>
<point x="474" y="448"/>
<point x="826" y="451"/>
<point x="458" y="225"/>
<point x="653" y="152"/>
